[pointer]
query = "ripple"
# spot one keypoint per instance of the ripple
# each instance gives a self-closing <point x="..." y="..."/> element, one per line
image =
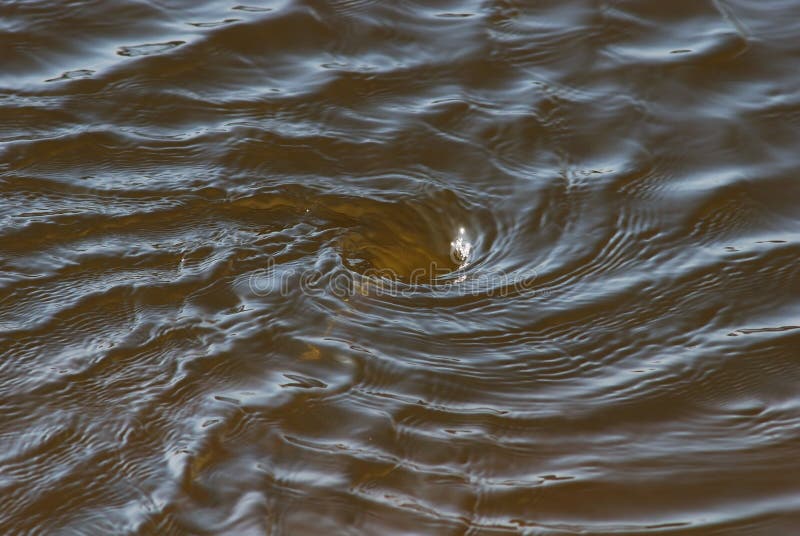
<point x="73" y="75"/>
<point x="399" y="268"/>
<point x="148" y="49"/>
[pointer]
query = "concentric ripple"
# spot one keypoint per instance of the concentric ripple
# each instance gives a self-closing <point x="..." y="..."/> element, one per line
<point x="360" y="267"/>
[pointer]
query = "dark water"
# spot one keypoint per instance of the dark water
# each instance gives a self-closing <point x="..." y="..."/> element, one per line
<point x="362" y="267"/>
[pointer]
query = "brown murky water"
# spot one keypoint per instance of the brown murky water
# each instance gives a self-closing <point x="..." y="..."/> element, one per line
<point x="364" y="267"/>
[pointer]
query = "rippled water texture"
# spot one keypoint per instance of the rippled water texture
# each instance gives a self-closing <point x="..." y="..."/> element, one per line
<point x="373" y="267"/>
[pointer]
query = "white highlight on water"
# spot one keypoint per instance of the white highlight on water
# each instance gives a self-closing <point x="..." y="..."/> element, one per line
<point x="460" y="248"/>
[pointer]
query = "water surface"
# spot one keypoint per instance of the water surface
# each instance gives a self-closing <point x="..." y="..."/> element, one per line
<point x="361" y="267"/>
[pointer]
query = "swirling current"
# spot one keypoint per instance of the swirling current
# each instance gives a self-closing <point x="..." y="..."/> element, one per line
<point x="413" y="267"/>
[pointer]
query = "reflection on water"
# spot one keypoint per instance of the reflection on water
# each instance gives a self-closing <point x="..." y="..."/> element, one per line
<point x="460" y="248"/>
<point x="360" y="267"/>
